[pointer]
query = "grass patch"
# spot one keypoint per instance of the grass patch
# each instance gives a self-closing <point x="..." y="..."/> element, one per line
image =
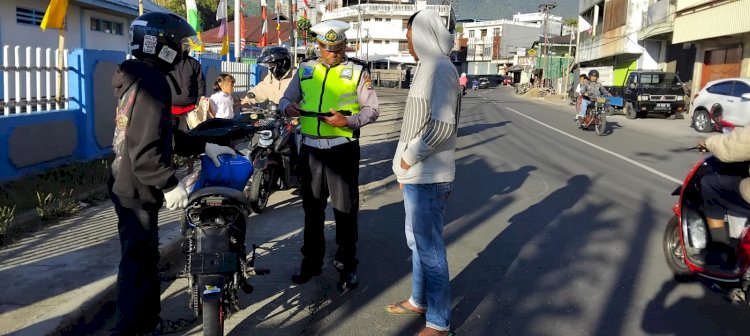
<point x="53" y="195"/>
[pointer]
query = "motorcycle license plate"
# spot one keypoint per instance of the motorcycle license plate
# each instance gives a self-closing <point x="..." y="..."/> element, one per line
<point x="663" y="106"/>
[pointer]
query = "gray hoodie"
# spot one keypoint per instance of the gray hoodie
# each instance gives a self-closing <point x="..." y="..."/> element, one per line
<point x="428" y="132"/>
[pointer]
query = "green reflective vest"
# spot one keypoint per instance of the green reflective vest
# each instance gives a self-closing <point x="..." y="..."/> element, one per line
<point x="324" y="89"/>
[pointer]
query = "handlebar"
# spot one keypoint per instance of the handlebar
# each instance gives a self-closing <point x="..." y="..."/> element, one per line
<point x="700" y="149"/>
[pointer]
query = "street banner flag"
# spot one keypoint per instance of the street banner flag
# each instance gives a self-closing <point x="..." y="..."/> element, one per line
<point x="264" y="16"/>
<point x="194" y="21"/>
<point x="243" y="42"/>
<point x="221" y="16"/>
<point x="54" y="17"/>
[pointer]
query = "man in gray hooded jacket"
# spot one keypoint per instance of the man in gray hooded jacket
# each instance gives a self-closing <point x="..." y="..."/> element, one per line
<point x="425" y="167"/>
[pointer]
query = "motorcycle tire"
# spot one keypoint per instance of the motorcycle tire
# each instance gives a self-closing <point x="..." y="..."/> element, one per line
<point x="601" y="125"/>
<point x="259" y="190"/>
<point x="213" y="315"/>
<point x="673" y="251"/>
<point x="630" y="111"/>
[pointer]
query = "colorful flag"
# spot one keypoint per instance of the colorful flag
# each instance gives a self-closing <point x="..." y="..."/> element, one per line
<point x="243" y="42"/>
<point x="221" y="16"/>
<point x="583" y="25"/>
<point x="194" y="21"/>
<point x="278" y="21"/>
<point x="264" y="16"/>
<point x="54" y="17"/>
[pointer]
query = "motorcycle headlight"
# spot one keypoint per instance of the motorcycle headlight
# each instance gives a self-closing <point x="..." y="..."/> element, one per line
<point x="295" y="122"/>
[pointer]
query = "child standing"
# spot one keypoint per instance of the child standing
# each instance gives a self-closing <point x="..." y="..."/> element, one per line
<point x="222" y="102"/>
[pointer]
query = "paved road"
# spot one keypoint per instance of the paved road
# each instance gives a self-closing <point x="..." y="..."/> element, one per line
<point x="551" y="231"/>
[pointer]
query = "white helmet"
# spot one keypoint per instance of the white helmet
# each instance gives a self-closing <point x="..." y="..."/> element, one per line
<point x="463" y="74"/>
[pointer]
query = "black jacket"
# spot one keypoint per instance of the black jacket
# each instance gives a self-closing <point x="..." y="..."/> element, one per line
<point x="187" y="82"/>
<point x="146" y="168"/>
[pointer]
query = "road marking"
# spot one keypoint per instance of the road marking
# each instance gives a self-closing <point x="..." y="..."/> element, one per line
<point x="626" y="159"/>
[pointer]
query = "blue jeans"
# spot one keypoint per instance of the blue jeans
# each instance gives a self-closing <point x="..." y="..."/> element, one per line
<point x="584" y="105"/>
<point x="425" y="216"/>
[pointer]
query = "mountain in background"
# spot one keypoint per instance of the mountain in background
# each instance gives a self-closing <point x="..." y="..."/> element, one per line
<point x="504" y="9"/>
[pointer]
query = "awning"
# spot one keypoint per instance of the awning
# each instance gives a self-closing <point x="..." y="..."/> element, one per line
<point x="516" y="68"/>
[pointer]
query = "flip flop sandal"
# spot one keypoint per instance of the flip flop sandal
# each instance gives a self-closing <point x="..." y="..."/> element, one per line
<point x="404" y="310"/>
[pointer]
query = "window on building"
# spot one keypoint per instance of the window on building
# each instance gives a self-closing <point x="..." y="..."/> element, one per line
<point x="403" y="47"/>
<point x="29" y="16"/>
<point x="496" y="32"/>
<point x="378" y="20"/>
<point x="405" y="24"/>
<point x="105" y="26"/>
<point x="387" y="20"/>
<point x="483" y="32"/>
<point x="471" y="34"/>
<point x="378" y="41"/>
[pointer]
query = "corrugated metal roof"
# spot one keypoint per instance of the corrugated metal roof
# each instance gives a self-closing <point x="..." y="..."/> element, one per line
<point x="128" y="7"/>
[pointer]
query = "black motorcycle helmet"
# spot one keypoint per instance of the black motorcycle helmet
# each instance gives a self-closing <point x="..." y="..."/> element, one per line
<point x="158" y="37"/>
<point x="593" y="73"/>
<point x="279" y="61"/>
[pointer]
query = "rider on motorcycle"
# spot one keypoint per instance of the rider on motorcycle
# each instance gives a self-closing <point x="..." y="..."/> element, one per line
<point x="590" y="90"/>
<point x="280" y="73"/>
<point x="725" y="195"/>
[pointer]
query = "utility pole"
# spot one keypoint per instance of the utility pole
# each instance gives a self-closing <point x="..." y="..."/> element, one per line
<point x="545" y="8"/>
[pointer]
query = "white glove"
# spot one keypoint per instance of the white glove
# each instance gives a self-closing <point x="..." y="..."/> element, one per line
<point x="177" y="198"/>
<point x="213" y="151"/>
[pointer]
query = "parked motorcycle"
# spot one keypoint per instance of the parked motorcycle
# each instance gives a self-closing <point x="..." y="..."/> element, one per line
<point x="686" y="235"/>
<point x="214" y="226"/>
<point x="271" y="156"/>
<point x="596" y="115"/>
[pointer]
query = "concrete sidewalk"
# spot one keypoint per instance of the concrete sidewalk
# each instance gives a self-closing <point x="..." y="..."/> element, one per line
<point x="61" y="280"/>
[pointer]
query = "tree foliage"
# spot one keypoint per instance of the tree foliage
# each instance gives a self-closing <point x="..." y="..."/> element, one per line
<point x="570" y="21"/>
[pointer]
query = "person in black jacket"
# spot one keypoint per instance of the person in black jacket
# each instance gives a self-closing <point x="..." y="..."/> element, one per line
<point x="142" y="173"/>
<point x="188" y="86"/>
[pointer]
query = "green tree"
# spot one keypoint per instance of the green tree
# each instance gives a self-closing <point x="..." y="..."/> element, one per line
<point x="571" y="21"/>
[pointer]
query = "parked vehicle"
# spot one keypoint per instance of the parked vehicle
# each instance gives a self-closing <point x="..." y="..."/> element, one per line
<point x="596" y="115"/>
<point x="656" y="92"/>
<point x="484" y="83"/>
<point x="686" y="236"/>
<point x="508" y="80"/>
<point x="271" y="156"/>
<point x="722" y="105"/>
<point x="214" y="225"/>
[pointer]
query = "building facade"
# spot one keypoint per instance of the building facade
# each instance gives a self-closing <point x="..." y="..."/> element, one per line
<point x="612" y="39"/>
<point x="492" y="46"/>
<point x="381" y="37"/>
<point x="721" y="51"/>
<point x="90" y="24"/>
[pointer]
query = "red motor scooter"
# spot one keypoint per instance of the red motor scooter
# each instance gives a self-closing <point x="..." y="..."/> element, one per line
<point x="686" y="235"/>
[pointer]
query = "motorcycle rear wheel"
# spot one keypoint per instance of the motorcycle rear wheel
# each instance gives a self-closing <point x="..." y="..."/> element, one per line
<point x="673" y="251"/>
<point x="213" y="315"/>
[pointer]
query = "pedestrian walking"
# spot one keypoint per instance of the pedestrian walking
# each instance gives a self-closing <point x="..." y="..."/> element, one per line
<point x="143" y="177"/>
<point x="334" y="97"/>
<point x="424" y="165"/>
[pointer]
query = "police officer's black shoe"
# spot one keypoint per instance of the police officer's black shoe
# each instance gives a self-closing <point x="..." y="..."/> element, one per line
<point x="305" y="276"/>
<point x="347" y="281"/>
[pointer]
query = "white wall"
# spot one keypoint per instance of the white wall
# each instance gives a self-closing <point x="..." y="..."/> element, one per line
<point x="16" y="34"/>
<point x="105" y="41"/>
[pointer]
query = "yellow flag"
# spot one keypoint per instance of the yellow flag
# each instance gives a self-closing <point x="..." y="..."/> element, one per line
<point x="54" y="17"/>
<point x="225" y="46"/>
<point x="197" y="46"/>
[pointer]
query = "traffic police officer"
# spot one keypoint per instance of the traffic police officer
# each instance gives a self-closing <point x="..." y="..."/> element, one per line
<point x="334" y="98"/>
